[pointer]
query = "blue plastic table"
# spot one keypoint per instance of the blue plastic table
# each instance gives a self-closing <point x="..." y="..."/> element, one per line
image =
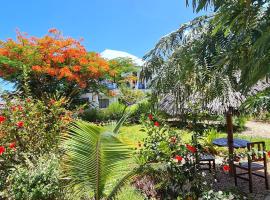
<point x="237" y="143"/>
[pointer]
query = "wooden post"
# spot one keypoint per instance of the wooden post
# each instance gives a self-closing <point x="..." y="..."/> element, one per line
<point x="230" y="137"/>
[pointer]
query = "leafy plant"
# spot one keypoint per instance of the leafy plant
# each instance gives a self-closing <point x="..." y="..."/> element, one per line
<point x="92" y="156"/>
<point x="39" y="180"/>
<point x="175" y="162"/>
<point x="34" y="125"/>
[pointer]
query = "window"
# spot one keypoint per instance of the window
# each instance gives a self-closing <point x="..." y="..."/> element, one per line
<point x="103" y="103"/>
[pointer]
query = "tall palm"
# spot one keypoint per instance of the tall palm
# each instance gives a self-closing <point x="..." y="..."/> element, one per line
<point x="92" y="155"/>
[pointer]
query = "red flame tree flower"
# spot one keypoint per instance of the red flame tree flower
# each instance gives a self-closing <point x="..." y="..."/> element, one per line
<point x="50" y="63"/>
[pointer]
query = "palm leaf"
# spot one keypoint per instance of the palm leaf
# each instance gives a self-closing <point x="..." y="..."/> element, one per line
<point x="92" y="154"/>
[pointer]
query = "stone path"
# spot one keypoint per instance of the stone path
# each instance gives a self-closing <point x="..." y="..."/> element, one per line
<point x="260" y="129"/>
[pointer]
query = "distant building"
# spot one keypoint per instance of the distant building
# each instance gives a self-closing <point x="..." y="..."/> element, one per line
<point x="100" y="100"/>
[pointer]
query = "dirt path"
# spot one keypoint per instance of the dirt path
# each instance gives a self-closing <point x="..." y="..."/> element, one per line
<point x="259" y="129"/>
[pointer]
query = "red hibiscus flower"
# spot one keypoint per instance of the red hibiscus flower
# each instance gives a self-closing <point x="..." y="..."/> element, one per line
<point x="2" y="150"/>
<point x="226" y="168"/>
<point x="12" y="145"/>
<point x="192" y="149"/>
<point x="150" y="117"/>
<point x="178" y="158"/>
<point x="2" y="119"/>
<point x="156" y="124"/>
<point x="20" y="124"/>
<point x="19" y="108"/>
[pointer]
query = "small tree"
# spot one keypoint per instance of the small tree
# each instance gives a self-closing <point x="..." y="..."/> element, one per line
<point x="50" y="63"/>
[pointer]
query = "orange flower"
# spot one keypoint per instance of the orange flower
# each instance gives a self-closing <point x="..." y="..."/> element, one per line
<point x="51" y="72"/>
<point x="36" y="68"/>
<point x="83" y="61"/>
<point x="82" y="85"/>
<point x="59" y="59"/>
<point x="76" y="68"/>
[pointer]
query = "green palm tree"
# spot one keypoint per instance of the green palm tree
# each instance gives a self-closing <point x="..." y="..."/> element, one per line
<point x="92" y="155"/>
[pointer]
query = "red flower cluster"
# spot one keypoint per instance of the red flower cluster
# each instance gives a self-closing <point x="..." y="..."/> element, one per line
<point x="156" y="124"/>
<point x="16" y="108"/>
<point x="2" y="119"/>
<point x="2" y="150"/>
<point x="178" y="158"/>
<point x="268" y="153"/>
<point x="192" y="149"/>
<point x="20" y="124"/>
<point x="150" y="116"/>
<point x="11" y="146"/>
<point x="226" y="168"/>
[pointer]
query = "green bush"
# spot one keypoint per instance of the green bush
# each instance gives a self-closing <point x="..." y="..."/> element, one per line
<point x="113" y="112"/>
<point x="90" y="115"/>
<point x="138" y="110"/>
<point x="240" y="122"/>
<point x="175" y="162"/>
<point x="35" y="181"/>
<point x="34" y="125"/>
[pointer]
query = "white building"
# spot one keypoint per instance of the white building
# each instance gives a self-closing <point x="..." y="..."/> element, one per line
<point x="101" y="100"/>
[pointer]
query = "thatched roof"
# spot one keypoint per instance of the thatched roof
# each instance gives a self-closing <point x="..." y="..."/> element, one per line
<point x="219" y="105"/>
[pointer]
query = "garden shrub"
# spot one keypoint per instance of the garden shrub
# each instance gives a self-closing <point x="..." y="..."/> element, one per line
<point x="35" y="126"/>
<point x="90" y="115"/>
<point x="35" y="181"/>
<point x="113" y="112"/>
<point x="179" y="174"/>
<point x="239" y="122"/>
<point x="138" y="110"/>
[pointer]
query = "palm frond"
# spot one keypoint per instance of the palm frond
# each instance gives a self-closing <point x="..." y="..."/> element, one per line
<point x="117" y="188"/>
<point x="92" y="153"/>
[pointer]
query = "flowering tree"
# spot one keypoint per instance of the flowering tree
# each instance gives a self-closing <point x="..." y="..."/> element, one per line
<point x="50" y="63"/>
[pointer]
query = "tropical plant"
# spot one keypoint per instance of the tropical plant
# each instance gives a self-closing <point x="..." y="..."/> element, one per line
<point x="34" y="125"/>
<point x="35" y="180"/>
<point x="175" y="162"/>
<point x="122" y="69"/>
<point x="214" y="59"/>
<point x="51" y="63"/>
<point x="92" y="156"/>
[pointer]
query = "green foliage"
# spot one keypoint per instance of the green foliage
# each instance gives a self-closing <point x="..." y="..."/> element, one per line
<point x="92" y="156"/>
<point x="91" y="115"/>
<point x="34" y="125"/>
<point x="114" y="112"/>
<point x="176" y="163"/>
<point x="239" y="122"/>
<point x="257" y="104"/>
<point x="130" y="96"/>
<point x="213" y="60"/>
<point x="139" y="109"/>
<point x="208" y="139"/>
<point x="35" y="181"/>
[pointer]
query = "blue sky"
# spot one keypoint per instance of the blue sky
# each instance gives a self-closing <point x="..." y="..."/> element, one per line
<point x="133" y="26"/>
<point x="126" y="25"/>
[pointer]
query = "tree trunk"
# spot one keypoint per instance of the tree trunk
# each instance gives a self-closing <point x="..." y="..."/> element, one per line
<point x="230" y="137"/>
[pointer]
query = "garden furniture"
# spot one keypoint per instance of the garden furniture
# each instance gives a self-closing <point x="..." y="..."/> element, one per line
<point x="256" y="162"/>
<point x="209" y="160"/>
<point x="237" y="143"/>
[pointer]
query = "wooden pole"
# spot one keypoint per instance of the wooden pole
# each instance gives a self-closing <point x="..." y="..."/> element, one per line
<point x="230" y="137"/>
